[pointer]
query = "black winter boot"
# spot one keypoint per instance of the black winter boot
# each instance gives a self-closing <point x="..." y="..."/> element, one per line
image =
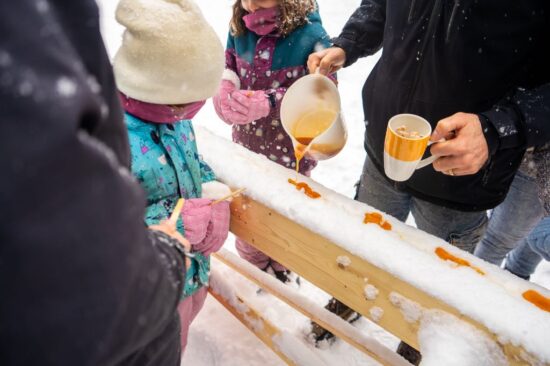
<point x="408" y="353"/>
<point x="286" y="276"/>
<point x="343" y="311"/>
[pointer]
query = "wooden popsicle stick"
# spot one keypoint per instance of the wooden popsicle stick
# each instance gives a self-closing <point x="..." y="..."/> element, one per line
<point x="232" y="194"/>
<point x="177" y="211"/>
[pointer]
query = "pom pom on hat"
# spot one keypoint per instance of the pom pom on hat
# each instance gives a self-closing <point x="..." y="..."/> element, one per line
<point x="169" y="53"/>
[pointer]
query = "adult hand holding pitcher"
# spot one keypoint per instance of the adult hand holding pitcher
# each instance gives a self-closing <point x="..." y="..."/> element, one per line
<point x="461" y="147"/>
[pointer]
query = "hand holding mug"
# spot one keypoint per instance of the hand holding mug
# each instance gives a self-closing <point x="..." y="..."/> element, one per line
<point x="464" y="154"/>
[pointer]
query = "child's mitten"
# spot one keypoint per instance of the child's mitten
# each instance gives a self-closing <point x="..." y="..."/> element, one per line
<point x="222" y="104"/>
<point x="206" y="225"/>
<point x="252" y="104"/>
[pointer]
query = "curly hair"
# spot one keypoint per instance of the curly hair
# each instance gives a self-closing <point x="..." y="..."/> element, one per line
<point x="293" y="14"/>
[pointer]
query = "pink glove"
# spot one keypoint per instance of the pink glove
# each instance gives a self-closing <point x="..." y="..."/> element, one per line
<point x="222" y="104"/>
<point x="252" y="104"/>
<point x="206" y="226"/>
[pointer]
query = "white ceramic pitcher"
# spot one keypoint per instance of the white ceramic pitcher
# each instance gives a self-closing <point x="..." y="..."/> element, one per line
<point x="310" y="94"/>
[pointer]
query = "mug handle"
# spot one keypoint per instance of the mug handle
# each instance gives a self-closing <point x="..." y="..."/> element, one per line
<point x="425" y="162"/>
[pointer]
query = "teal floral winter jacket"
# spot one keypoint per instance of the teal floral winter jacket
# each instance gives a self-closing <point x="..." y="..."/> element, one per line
<point x="166" y="162"/>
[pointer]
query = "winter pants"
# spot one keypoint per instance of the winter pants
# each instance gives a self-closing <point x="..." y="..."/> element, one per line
<point x="539" y="239"/>
<point x="256" y="257"/>
<point x="523" y="260"/>
<point x="188" y="310"/>
<point x="461" y="229"/>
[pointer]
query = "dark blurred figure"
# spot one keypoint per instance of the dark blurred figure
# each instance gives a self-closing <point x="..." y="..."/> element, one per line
<point x="82" y="280"/>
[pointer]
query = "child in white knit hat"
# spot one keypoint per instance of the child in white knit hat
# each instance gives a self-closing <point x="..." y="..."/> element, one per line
<point x="170" y="61"/>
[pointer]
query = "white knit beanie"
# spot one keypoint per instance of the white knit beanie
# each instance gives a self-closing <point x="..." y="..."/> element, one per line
<point x="169" y="53"/>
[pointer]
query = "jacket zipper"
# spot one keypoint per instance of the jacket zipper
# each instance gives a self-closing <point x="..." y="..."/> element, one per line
<point x="411" y="12"/>
<point x="451" y="21"/>
<point x="430" y="30"/>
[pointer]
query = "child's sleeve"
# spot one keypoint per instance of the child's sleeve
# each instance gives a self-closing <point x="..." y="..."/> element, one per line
<point x="211" y="188"/>
<point x="321" y="41"/>
<point x="230" y="54"/>
<point x="207" y="174"/>
<point x="230" y="73"/>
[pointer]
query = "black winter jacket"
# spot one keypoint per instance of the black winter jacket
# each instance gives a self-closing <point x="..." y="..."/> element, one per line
<point x="489" y="57"/>
<point x="82" y="281"/>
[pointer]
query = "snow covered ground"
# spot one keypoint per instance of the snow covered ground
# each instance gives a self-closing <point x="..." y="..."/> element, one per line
<point x="216" y="338"/>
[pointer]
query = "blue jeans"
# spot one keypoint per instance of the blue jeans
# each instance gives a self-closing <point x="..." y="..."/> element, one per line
<point x="461" y="229"/>
<point x="523" y="260"/>
<point x="539" y="239"/>
<point x="510" y="223"/>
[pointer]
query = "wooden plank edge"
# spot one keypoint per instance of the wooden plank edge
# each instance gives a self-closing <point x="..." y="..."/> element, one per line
<point x="258" y="225"/>
<point x="250" y="319"/>
<point x="344" y="331"/>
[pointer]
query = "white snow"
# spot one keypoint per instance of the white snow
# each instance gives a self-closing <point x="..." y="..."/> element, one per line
<point x="376" y="313"/>
<point x="445" y="340"/>
<point x="371" y="292"/>
<point x="216" y="338"/>
<point x="26" y="88"/>
<point x="411" y="310"/>
<point x="42" y="6"/>
<point x="93" y="84"/>
<point x="343" y="261"/>
<point x="288" y="344"/>
<point x="5" y="59"/>
<point x="66" y="87"/>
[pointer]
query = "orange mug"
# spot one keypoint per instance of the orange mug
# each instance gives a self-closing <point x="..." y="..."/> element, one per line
<point x="403" y="150"/>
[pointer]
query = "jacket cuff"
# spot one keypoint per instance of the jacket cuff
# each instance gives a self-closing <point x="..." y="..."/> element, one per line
<point x="169" y="247"/>
<point x="232" y="76"/>
<point x="490" y="133"/>
<point x="347" y="45"/>
<point x="504" y="121"/>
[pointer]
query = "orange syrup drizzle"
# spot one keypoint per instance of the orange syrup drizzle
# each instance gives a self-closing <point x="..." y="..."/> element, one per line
<point x="446" y="256"/>
<point x="535" y="298"/>
<point x="299" y="153"/>
<point x="376" y="218"/>
<point x="307" y="189"/>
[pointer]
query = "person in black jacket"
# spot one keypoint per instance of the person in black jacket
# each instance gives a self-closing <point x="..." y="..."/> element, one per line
<point x="478" y="71"/>
<point x="82" y="280"/>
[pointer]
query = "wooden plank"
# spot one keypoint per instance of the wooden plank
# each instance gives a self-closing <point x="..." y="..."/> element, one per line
<point x="382" y="354"/>
<point x="251" y="319"/>
<point x="314" y="258"/>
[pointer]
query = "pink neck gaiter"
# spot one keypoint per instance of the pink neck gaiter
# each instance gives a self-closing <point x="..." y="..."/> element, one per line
<point x="263" y="21"/>
<point x="159" y="113"/>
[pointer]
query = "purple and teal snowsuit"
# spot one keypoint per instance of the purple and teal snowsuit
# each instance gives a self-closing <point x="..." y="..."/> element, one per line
<point x="272" y="63"/>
